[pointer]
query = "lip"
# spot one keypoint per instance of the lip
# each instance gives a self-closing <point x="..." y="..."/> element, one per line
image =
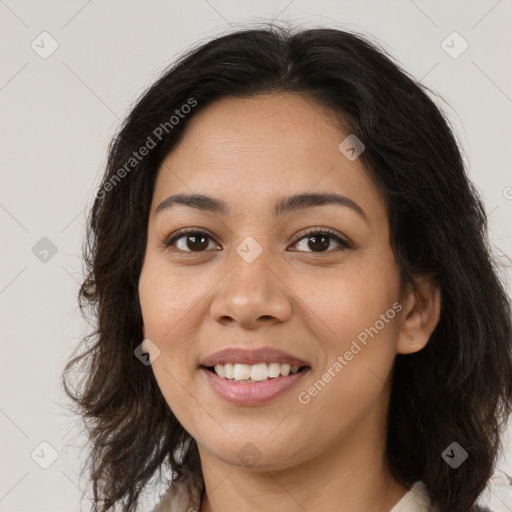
<point x="255" y="393"/>
<point x="244" y="356"/>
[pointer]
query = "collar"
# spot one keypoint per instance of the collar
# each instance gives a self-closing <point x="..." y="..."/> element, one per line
<point x="185" y="496"/>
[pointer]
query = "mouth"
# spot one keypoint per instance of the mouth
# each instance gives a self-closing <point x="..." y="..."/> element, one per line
<point x="255" y="384"/>
<point x="246" y="377"/>
<point x="253" y="373"/>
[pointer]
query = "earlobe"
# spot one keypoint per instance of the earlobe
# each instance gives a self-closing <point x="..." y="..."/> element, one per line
<point x="420" y="315"/>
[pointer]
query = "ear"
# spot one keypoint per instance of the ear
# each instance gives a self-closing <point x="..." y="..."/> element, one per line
<point x="420" y="315"/>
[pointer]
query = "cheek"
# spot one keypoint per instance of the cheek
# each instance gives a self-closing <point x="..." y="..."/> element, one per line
<point x="355" y="325"/>
<point x="169" y="300"/>
<point x="348" y="304"/>
<point x="167" y="307"/>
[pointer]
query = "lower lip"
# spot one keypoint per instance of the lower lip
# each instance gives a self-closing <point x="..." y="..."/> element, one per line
<point x="255" y="393"/>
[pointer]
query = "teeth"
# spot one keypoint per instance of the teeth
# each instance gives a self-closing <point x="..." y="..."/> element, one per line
<point x="274" y="370"/>
<point x="242" y="372"/>
<point x="254" y="372"/>
<point x="220" y="370"/>
<point x="228" y="371"/>
<point x="259" y="371"/>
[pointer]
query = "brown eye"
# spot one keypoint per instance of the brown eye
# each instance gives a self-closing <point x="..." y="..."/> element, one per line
<point x="190" y="241"/>
<point x="319" y="240"/>
<point x="194" y="240"/>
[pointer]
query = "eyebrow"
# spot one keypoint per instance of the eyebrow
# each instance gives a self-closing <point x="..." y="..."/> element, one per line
<point x="282" y="207"/>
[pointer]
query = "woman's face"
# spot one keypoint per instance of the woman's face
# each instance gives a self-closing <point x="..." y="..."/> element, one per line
<point x="264" y="279"/>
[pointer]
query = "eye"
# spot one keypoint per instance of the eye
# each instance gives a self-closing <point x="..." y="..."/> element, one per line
<point x="195" y="240"/>
<point x="198" y="240"/>
<point x="319" y="239"/>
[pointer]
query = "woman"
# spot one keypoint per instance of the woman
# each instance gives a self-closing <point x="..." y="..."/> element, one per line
<point x="296" y="304"/>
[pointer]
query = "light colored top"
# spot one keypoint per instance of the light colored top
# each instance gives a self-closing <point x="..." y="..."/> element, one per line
<point x="416" y="500"/>
<point x="186" y="497"/>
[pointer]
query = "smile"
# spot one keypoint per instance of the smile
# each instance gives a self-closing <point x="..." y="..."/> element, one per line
<point x="242" y="390"/>
<point x="253" y="372"/>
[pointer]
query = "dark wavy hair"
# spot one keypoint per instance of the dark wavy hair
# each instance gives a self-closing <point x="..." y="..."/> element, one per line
<point x="458" y="388"/>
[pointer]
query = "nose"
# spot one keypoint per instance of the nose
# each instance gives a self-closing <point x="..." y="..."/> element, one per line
<point x="252" y="294"/>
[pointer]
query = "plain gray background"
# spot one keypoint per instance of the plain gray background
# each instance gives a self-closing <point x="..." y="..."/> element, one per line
<point x="58" y="114"/>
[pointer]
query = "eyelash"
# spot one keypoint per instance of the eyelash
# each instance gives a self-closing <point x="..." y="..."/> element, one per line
<point x="310" y="231"/>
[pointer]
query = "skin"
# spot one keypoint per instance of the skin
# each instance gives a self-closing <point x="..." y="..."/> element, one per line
<point x="327" y="454"/>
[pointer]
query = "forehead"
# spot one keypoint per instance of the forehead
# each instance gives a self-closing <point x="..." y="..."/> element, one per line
<point x="255" y="149"/>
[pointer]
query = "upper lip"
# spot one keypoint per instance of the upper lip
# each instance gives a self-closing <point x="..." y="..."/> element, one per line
<point x="238" y="355"/>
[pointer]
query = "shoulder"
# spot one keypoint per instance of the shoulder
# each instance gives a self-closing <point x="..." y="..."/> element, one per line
<point x="418" y="500"/>
<point x="183" y="495"/>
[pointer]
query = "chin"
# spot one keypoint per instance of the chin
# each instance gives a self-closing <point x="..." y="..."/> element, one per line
<point x="258" y="453"/>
